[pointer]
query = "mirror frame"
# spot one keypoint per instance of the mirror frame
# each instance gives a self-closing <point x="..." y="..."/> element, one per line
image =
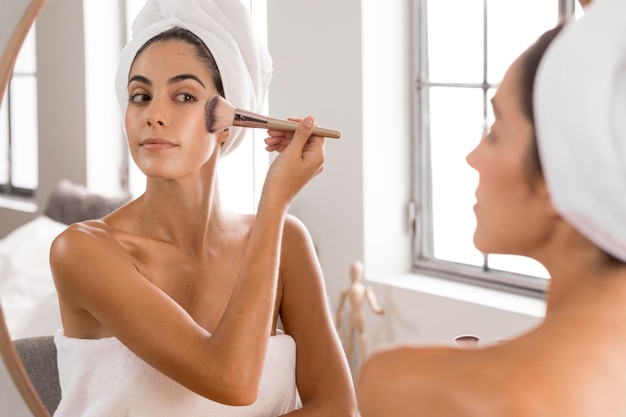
<point x="8" y="352"/>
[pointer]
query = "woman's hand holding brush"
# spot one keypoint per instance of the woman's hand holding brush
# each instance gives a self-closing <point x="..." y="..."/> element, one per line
<point x="279" y="139"/>
<point x="301" y="158"/>
<point x="299" y="142"/>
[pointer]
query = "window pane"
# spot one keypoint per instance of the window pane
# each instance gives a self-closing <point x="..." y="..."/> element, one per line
<point x="455" y="40"/>
<point x="236" y="181"/>
<point x="456" y="123"/>
<point x="136" y="179"/>
<point x="578" y="10"/>
<point x="518" y="264"/>
<point x="511" y="28"/>
<point x="4" y="142"/>
<point x="24" y="169"/>
<point x="26" y="62"/>
<point x="132" y="9"/>
<point x="104" y="157"/>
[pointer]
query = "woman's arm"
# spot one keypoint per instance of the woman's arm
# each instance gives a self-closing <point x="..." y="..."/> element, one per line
<point x="97" y="280"/>
<point x="322" y="374"/>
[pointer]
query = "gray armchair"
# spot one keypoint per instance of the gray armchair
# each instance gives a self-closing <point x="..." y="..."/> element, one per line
<point x="39" y="356"/>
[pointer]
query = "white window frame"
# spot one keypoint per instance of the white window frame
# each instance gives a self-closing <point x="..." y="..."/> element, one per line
<point x="421" y="180"/>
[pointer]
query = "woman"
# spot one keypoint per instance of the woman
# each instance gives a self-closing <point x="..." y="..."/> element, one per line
<point x="552" y="187"/>
<point x="170" y="304"/>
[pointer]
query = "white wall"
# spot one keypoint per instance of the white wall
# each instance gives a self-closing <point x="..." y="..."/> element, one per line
<point x="317" y="70"/>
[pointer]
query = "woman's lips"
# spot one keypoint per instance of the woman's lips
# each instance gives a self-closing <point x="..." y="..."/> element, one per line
<point x="157" y="144"/>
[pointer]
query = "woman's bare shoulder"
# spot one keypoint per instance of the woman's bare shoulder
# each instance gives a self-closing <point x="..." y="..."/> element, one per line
<point x="81" y="245"/>
<point x="490" y="381"/>
<point x="295" y="230"/>
<point x="110" y="231"/>
<point x="515" y="378"/>
<point x="75" y="236"/>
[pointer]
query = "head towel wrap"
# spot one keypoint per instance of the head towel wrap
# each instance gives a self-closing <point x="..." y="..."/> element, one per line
<point x="225" y="27"/>
<point x="580" y="116"/>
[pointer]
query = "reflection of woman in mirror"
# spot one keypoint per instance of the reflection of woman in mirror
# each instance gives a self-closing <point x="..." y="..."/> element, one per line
<point x="170" y="304"/>
<point x="552" y="186"/>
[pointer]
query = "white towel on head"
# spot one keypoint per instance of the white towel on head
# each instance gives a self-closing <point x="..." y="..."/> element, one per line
<point x="225" y="26"/>
<point x="580" y="116"/>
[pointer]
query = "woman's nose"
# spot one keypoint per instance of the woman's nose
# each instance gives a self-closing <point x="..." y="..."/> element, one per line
<point x="471" y="157"/>
<point x="156" y="115"/>
<point x="151" y="120"/>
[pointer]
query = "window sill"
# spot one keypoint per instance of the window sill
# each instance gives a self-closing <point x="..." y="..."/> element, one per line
<point x="497" y="299"/>
<point x="27" y="205"/>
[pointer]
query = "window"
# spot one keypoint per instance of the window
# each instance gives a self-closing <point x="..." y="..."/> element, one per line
<point x="18" y="126"/>
<point x="462" y="50"/>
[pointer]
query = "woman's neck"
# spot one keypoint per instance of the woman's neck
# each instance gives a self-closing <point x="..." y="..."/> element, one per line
<point x="575" y="264"/>
<point x="584" y="276"/>
<point x="184" y="211"/>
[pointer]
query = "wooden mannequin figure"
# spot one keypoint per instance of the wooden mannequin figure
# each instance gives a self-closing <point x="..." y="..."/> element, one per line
<point x="356" y="294"/>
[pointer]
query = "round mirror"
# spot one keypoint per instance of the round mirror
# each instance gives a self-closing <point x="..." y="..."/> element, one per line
<point x="18" y="17"/>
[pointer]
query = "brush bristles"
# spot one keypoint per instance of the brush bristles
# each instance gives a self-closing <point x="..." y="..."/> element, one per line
<point x="219" y="114"/>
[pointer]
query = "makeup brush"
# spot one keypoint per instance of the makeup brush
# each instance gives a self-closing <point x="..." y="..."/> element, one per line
<point x="220" y="114"/>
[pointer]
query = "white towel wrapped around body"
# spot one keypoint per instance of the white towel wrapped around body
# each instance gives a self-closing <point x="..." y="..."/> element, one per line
<point x="103" y="378"/>
<point x="225" y="27"/>
<point x="580" y="118"/>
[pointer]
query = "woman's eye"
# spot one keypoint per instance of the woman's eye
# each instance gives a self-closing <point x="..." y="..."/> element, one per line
<point x="490" y="136"/>
<point x="139" y="98"/>
<point x="185" y="98"/>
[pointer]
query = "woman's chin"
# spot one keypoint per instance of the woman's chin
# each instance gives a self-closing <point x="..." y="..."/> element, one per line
<point x="482" y="244"/>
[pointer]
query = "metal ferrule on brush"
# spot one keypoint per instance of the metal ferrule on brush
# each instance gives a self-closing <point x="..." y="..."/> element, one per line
<point x="246" y="118"/>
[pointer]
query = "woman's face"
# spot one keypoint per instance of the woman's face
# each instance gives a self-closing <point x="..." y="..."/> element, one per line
<point x="168" y="89"/>
<point x="512" y="208"/>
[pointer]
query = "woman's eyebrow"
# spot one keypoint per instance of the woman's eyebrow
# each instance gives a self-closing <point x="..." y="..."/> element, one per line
<point x="141" y="79"/>
<point x="182" y="77"/>
<point x="494" y="107"/>
<point x="173" y="80"/>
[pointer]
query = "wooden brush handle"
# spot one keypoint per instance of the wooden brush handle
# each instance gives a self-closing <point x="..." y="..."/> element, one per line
<point x="289" y="126"/>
